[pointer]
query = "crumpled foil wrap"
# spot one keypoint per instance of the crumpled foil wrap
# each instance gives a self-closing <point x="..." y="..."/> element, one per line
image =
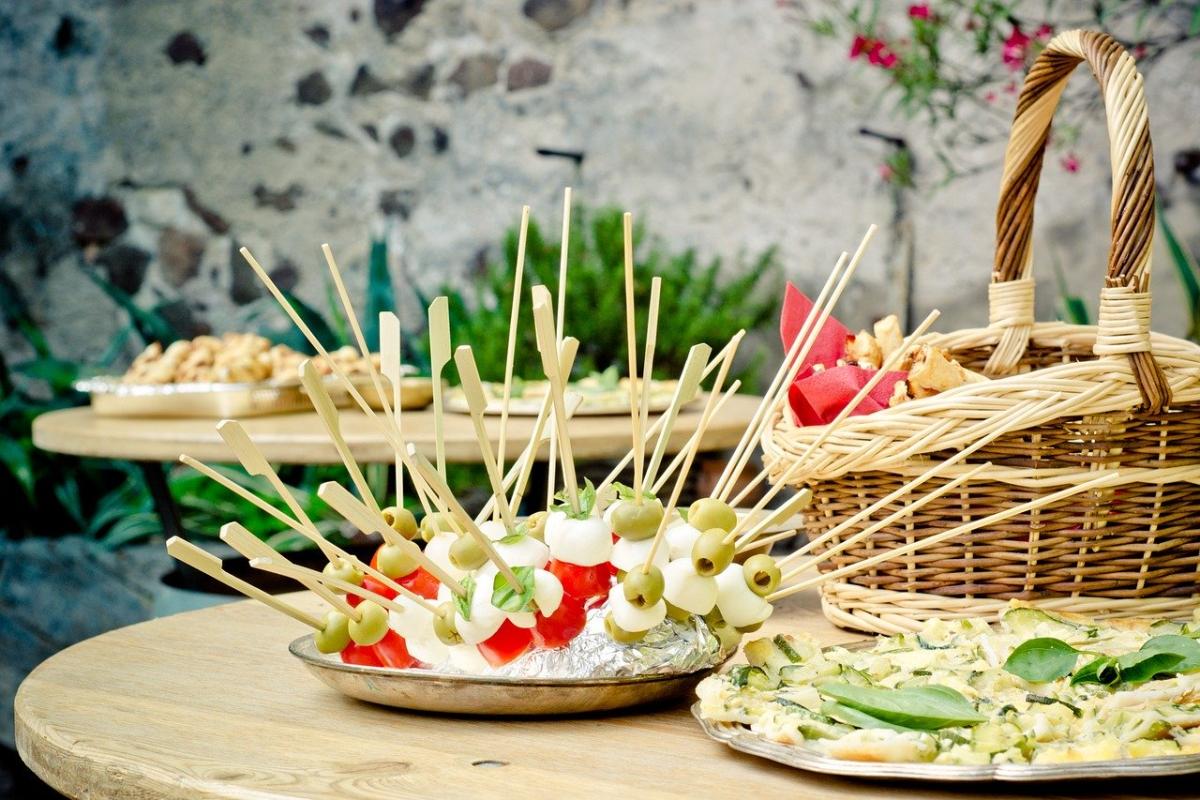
<point x="671" y="648"/>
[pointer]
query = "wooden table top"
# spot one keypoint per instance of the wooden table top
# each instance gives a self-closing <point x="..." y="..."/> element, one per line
<point x="209" y="704"/>
<point x="300" y="438"/>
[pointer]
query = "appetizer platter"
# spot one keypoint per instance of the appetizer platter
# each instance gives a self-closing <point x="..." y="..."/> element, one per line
<point x="605" y="585"/>
<point x="1036" y="696"/>
<point x="234" y="375"/>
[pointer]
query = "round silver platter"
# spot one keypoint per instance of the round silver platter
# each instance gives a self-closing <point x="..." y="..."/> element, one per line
<point x="741" y="738"/>
<point x="482" y="695"/>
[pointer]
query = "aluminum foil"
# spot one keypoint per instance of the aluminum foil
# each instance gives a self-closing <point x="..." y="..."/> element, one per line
<point x="671" y="648"/>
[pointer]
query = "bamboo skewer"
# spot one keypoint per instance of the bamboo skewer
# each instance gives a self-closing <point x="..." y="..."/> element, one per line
<point x="685" y="390"/>
<point x="551" y="361"/>
<point x="242" y="492"/>
<point x="472" y="386"/>
<point x="792" y="506"/>
<point x="290" y="570"/>
<point x="635" y="411"/>
<point x="211" y="566"/>
<point x="647" y="371"/>
<point x="391" y="362"/>
<point x="960" y="530"/>
<point x="1019" y="415"/>
<point x="328" y="413"/>
<point x="693" y="441"/>
<point x="888" y="365"/>
<point x="560" y="322"/>
<point x="250" y="546"/>
<point x="513" y="318"/>
<point x="439" y="356"/>
<point x="788" y="369"/>
<point x="690" y="452"/>
<point x="453" y="507"/>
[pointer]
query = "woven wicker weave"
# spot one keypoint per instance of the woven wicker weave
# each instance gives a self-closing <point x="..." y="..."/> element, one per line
<point x="1127" y="399"/>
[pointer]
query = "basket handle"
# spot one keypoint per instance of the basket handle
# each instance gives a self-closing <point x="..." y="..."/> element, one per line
<point x="1124" y="319"/>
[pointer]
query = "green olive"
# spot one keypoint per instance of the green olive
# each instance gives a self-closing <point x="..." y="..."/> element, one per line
<point x="637" y="522"/>
<point x="676" y="613"/>
<point x="535" y="525"/>
<point x="750" y="628"/>
<point x="371" y="625"/>
<point x="434" y="524"/>
<point x="466" y="553"/>
<point x="334" y="637"/>
<point x="444" y="626"/>
<point x="344" y="571"/>
<point x="643" y="589"/>
<point x="709" y="512"/>
<point x="762" y="574"/>
<point x="619" y="634"/>
<point x="396" y="560"/>
<point x="729" y="636"/>
<point x="711" y="554"/>
<point x="401" y="520"/>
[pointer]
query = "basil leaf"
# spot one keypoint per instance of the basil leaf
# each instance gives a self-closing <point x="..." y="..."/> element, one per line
<point x="924" y="707"/>
<point x="1103" y="670"/>
<point x="462" y="602"/>
<point x="506" y="598"/>
<point x="513" y="537"/>
<point x="1042" y="659"/>
<point x="626" y="492"/>
<point x="859" y="719"/>
<point x="1174" y="643"/>
<point x="1142" y="666"/>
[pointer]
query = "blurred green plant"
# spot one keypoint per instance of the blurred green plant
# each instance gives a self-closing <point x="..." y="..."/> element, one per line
<point x="698" y="302"/>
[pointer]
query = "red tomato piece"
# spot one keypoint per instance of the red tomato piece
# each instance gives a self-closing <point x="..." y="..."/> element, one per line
<point x="363" y="656"/>
<point x="584" y="583"/>
<point x="558" y="629"/>
<point x="421" y="582"/>
<point x="506" y="644"/>
<point x="393" y="652"/>
<point x="378" y="587"/>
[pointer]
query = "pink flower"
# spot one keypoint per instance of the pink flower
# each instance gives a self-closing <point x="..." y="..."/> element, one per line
<point x="886" y="173"/>
<point x="919" y="11"/>
<point x="1139" y="52"/>
<point x="990" y="97"/>
<point x="1070" y="163"/>
<point x="1015" y="47"/>
<point x="1044" y="32"/>
<point x="859" y="46"/>
<point x="881" y="56"/>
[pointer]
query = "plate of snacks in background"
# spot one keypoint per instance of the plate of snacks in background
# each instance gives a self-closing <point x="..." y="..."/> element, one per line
<point x="604" y="394"/>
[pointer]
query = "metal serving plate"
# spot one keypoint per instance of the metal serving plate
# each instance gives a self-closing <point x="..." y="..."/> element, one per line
<point x="415" y="393"/>
<point x="609" y="404"/>
<point x="478" y="695"/>
<point x="112" y="398"/>
<point x="740" y="737"/>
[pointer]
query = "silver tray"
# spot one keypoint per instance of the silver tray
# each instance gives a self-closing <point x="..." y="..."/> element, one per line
<point x="480" y="695"/>
<point x="112" y="398"/>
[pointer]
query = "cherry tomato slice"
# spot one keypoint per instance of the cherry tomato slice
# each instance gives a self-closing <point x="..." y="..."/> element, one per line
<point x="421" y="582"/>
<point x="393" y="652"/>
<point x="363" y="656"/>
<point x="583" y="583"/>
<point x="378" y="587"/>
<point x="506" y="644"/>
<point x="558" y="629"/>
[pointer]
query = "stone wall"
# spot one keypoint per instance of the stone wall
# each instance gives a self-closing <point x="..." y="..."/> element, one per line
<point x="150" y="138"/>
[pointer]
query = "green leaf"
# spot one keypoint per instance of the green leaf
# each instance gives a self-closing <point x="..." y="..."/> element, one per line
<point x="16" y="459"/>
<point x="1189" y="273"/>
<point x="1042" y="659"/>
<point x="380" y="294"/>
<point x="859" y="719"/>
<point x="924" y="708"/>
<point x="587" y="501"/>
<point x="1102" y="670"/>
<point x="462" y="602"/>
<point x="506" y="598"/>
<point x="151" y="326"/>
<point x="1184" y="646"/>
<point x="626" y="492"/>
<point x="516" y="536"/>
<point x="313" y="319"/>
<point x="1142" y="666"/>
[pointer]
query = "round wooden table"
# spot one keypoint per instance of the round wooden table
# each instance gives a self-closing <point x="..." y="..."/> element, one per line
<point x="210" y="704"/>
<point x="300" y="438"/>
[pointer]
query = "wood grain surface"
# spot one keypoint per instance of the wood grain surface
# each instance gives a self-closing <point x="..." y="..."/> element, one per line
<point x="300" y="439"/>
<point x="209" y="704"/>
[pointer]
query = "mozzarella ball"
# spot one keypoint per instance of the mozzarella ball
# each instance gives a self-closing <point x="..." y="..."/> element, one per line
<point x="485" y="619"/>
<point x="632" y="618"/>
<point x="628" y="554"/>
<point x="527" y="552"/>
<point x="467" y="658"/>
<point x="685" y="589"/>
<point x="582" y="542"/>
<point x="438" y="551"/>
<point x="738" y="604"/>
<point x="680" y="538"/>
<point x="547" y="592"/>
<point x="493" y="529"/>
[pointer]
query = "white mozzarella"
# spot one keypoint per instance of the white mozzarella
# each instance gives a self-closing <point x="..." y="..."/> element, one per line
<point x="628" y="554"/>
<point x="493" y="529"/>
<point x="547" y="592"/>
<point x="630" y="617"/>
<point x="738" y="604"/>
<point x="583" y="542"/>
<point x="412" y="621"/>
<point x="523" y="619"/>
<point x="527" y="552"/>
<point x="427" y="648"/>
<point x="468" y="658"/>
<point x="485" y="619"/>
<point x="685" y="589"/>
<point x="438" y="551"/>
<point x="680" y="538"/>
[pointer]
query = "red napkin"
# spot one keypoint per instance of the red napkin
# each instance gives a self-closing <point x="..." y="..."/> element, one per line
<point x="818" y="397"/>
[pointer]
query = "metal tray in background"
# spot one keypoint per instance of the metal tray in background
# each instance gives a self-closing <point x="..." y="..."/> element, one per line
<point x="482" y="695"/>
<point x="112" y="398"/>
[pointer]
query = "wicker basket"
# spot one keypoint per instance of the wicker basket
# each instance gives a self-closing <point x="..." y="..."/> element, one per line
<point x="1125" y="398"/>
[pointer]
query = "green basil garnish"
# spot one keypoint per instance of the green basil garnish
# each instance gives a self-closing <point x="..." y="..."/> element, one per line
<point x="924" y="708"/>
<point x="1042" y="659"/>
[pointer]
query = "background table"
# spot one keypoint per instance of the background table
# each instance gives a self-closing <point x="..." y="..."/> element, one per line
<point x="301" y="438"/>
<point x="210" y="704"/>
